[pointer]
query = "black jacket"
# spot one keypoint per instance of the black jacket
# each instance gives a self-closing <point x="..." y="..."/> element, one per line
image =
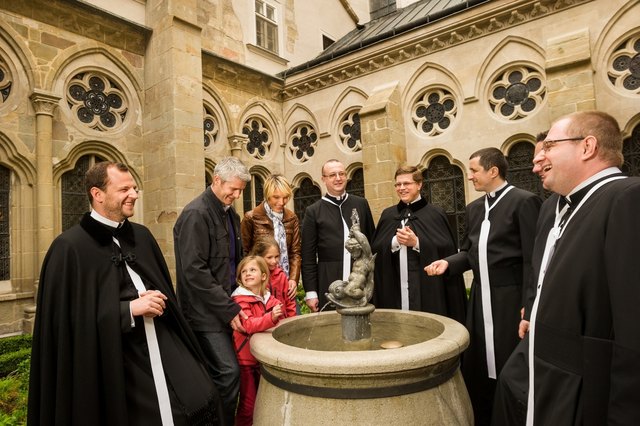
<point x="202" y="248"/>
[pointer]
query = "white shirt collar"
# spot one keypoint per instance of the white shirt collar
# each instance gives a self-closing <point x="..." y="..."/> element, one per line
<point x="606" y="172"/>
<point x="97" y="216"/>
<point x="493" y="193"/>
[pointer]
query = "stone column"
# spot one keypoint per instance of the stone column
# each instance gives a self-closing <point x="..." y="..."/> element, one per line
<point x="44" y="104"/>
<point x="173" y="139"/>
<point x="569" y="74"/>
<point x="383" y="145"/>
<point x="236" y="141"/>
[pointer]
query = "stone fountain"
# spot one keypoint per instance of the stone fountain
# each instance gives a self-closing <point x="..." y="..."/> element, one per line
<point x="389" y="367"/>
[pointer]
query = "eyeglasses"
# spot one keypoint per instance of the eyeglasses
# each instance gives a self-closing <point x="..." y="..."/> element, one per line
<point x="403" y="184"/>
<point x="548" y="144"/>
<point x="332" y="176"/>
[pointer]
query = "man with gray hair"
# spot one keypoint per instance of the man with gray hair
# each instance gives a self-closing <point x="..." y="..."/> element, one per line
<point x="208" y="247"/>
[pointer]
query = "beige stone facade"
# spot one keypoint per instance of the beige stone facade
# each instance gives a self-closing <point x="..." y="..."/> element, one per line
<point x="180" y="71"/>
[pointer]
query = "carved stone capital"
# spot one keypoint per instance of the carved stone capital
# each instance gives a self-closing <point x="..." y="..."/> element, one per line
<point x="44" y="102"/>
<point x="236" y="140"/>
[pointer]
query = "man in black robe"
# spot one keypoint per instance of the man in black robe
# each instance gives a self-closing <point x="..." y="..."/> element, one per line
<point x="409" y="235"/>
<point x="510" y="401"/>
<point x="105" y="312"/>
<point x="325" y="228"/>
<point x="497" y="246"/>
<point x="584" y="346"/>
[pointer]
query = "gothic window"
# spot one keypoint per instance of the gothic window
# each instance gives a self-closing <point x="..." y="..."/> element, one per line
<point x="624" y="67"/>
<point x="75" y="201"/>
<point x="520" y="169"/>
<point x="444" y="187"/>
<point x="259" y="137"/>
<point x="355" y="185"/>
<point x="266" y="26"/>
<point x="210" y="127"/>
<point x="304" y="196"/>
<point x="253" y="192"/>
<point x="517" y="93"/>
<point x="434" y="111"/>
<point x="303" y="142"/>
<point x="631" y="151"/>
<point x="5" y="240"/>
<point x="6" y="81"/>
<point x="350" y="131"/>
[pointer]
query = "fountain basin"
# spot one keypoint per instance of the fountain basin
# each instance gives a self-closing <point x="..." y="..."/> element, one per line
<point x="418" y="383"/>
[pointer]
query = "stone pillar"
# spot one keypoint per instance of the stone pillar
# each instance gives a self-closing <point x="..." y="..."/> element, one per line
<point x="173" y="139"/>
<point x="569" y="74"/>
<point x="236" y="141"/>
<point x="383" y="145"/>
<point x="44" y="105"/>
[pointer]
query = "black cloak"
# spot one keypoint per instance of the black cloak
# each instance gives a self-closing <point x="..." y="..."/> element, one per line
<point x="88" y="365"/>
<point x="443" y="295"/>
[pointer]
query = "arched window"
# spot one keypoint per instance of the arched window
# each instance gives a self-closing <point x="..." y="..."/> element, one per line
<point x="355" y="185"/>
<point x="631" y="151"/>
<point x="74" y="197"/>
<point x="5" y="247"/>
<point x="444" y="187"/>
<point x="252" y="194"/>
<point x="520" y="165"/>
<point x="304" y="196"/>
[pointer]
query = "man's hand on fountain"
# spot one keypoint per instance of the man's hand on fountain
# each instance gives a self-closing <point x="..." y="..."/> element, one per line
<point x="438" y="267"/>
<point x="313" y="304"/>
<point x="276" y="313"/>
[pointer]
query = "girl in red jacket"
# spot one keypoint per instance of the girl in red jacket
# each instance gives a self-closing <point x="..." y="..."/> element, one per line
<point x="263" y="312"/>
<point x="268" y="248"/>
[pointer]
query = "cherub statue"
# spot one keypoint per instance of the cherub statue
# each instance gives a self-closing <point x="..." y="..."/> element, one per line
<point x="358" y="288"/>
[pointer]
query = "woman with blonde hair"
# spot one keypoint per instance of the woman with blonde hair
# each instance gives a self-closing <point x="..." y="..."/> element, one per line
<point x="272" y="218"/>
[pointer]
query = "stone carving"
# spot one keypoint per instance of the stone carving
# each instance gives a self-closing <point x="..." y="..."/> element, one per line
<point x="358" y="289"/>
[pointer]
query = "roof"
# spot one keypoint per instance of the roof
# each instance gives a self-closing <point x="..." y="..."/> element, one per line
<point x="414" y="16"/>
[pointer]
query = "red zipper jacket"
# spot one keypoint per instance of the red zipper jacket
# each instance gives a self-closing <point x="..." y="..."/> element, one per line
<point x="279" y="285"/>
<point x="258" y="310"/>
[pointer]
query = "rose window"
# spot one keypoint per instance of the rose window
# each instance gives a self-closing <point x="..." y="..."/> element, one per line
<point x="624" y="69"/>
<point x="303" y="142"/>
<point x="5" y="82"/>
<point x="517" y="93"/>
<point x="259" y="138"/>
<point x="96" y="101"/>
<point x="350" y="132"/>
<point x="210" y="127"/>
<point x="434" y="111"/>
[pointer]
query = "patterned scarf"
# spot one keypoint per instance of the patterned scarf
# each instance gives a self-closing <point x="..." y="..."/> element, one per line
<point x="280" y="236"/>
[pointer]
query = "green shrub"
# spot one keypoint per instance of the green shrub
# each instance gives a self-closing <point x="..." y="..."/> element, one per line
<point x="9" y="362"/>
<point x="304" y="309"/>
<point x="13" y="396"/>
<point x="14" y="343"/>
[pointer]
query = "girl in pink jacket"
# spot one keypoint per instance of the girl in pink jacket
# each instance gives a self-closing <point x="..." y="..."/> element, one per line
<point x="263" y="312"/>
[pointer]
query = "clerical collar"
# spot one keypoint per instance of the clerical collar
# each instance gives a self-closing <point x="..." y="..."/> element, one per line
<point x="111" y="223"/>
<point x="336" y="199"/>
<point x="601" y="174"/>
<point x="496" y="192"/>
<point x="578" y="193"/>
